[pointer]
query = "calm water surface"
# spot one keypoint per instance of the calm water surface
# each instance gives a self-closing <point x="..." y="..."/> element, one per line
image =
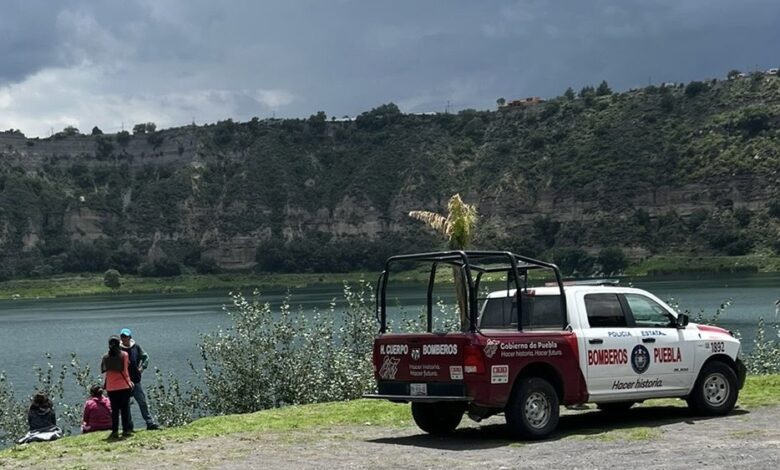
<point x="169" y="326"/>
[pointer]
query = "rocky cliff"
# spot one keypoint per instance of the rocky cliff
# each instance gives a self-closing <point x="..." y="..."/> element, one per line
<point x="652" y="170"/>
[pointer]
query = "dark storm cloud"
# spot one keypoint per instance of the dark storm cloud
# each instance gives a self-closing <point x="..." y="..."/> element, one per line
<point x="177" y="60"/>
<point x="27" y="39"/>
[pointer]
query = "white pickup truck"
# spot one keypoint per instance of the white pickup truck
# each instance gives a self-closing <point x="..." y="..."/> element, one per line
<point x="613" y="346"/>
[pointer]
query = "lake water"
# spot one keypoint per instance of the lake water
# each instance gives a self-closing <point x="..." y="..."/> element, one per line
<point x="169" y="326"/>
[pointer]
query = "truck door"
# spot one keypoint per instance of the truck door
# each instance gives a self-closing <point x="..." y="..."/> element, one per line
<point x="671" y="357"/>
<point x="608" y="342"/>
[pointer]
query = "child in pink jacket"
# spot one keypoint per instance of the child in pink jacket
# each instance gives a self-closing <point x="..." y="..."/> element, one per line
<point x="97" y="411"/>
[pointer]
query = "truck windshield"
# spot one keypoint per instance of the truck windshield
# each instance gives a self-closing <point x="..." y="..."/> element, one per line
<point x="539" y="312"/>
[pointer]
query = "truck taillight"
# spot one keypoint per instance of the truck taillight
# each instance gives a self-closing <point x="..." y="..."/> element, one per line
<point x="473" y="360"/>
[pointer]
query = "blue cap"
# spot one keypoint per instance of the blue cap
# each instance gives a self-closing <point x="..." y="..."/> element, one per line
<point x="126" y="332"/>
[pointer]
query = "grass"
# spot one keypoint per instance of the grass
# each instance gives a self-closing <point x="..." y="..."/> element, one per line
<point x="670" y="264"/>
<point x="758" y="391"/>
<point x="66" y="285"/>
<point x="94" y="448"/>
<point x="92" y="284"/>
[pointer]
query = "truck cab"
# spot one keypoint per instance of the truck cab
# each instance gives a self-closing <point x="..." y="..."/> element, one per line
<point x="528" y="348"/>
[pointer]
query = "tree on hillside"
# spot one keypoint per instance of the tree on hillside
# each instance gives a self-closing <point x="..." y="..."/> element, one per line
<point x="458" y="229"/>
<point x="317" y="122"/>
<point x="70" y="130"/>
<point x="612" y="261"/>
<point x="694" y="88"/>
<point x="96" y="131"/>
<point x="144" y="128"/>
<point x="734" y="73"/>
<point x="603" y="89"/>
<point x="123" y="137"/>
<point x="587" y="91"/>
<point x="569" y="94"/>
<point x="501" y="102"/>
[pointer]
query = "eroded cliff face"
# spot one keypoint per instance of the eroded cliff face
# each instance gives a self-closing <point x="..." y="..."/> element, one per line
<point x="353" y="217"/>
<point x="226" y="189"/>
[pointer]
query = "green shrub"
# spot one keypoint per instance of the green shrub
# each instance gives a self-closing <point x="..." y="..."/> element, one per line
<point x="268" y="359"/>
<point x="765" y="356"/>
<point x="111" y="279"/>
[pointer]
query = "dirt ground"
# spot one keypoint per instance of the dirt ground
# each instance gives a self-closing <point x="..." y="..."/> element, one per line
<point x="645" y="437"/>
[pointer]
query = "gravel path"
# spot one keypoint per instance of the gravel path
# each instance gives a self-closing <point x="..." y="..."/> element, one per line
<point x="659" y="437"/>
<point x="644" y="437"/>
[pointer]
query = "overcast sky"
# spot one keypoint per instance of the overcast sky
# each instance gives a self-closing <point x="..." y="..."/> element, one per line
<point x="119" y="62"/>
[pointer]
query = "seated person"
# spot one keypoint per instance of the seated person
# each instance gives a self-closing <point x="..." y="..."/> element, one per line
<point x="97" y="411"/>
<point x="41" y="416"/>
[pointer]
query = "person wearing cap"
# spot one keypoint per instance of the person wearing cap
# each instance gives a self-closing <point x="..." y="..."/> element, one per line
<point x="139" y="360"/>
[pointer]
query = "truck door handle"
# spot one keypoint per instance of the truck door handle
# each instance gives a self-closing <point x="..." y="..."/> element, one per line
<point x="595" y="341"/>
<point x="648" y="340"/>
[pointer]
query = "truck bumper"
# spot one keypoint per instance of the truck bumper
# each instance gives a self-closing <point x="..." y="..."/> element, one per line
<point x="415" y="398"/>
<point x="424" y="392"/>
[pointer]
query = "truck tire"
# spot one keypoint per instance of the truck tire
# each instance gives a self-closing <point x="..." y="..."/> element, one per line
<point x="438" y="418"/>
<point x="715" y="391"/>
<point x="616" y="407"/>
<point x="533" y="410"/>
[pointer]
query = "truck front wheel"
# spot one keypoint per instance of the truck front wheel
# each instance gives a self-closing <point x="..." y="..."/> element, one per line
<point x="716" y="390"/>
<point x="438" y="418"/>
<point x="533" y="410"/>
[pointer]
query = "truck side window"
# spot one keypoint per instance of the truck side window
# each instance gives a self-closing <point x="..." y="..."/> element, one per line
<point x="499" y="313"/>
<point x="604" y="311"/>
<point x="542" y="312"/>
<point x="539" y="312"/>
<point x="647" y="312"/>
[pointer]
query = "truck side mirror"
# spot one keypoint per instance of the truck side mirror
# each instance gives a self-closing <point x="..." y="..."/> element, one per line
<point x="682" y="321"/>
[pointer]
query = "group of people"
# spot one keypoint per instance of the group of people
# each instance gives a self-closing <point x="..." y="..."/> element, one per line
<point x="122" y="366"/>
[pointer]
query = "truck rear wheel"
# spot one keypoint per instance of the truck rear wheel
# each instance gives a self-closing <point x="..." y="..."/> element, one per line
<point x="438" y="418"/>
<point x="715" y="391"/>
<point x="533" y="410"/>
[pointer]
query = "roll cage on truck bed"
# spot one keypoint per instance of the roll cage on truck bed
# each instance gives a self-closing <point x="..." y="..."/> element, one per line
<point x="529" y="349"/>
<point x="469" y="263"/>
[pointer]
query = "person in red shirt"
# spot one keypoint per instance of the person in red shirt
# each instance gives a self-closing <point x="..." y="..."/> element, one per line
<point x="97" y="411"/>
<point x="118" y="386"/>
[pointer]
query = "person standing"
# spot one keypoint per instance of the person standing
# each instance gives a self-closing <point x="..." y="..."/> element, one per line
<point x="97" y="411"/>
<point x="139" y="361"/>
<point x="119" y="386"/>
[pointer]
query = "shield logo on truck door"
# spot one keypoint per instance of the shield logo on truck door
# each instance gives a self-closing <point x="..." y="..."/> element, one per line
<point x="415" y="354"/>
<point x="640" y="359"/>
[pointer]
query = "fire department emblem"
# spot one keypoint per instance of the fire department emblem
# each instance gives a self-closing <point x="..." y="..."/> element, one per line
<point x="490" y="348"/>
<point x="389" y="368"/>
<point x="640" y="359"/>
<point x="415" y="354"/>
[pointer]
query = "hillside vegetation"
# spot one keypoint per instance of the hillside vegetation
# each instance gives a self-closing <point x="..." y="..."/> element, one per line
<point x="688" y="170"/>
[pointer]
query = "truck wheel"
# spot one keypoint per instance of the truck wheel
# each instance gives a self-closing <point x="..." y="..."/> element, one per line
<point x="438" y="418"/>
<point x="715" y="391"/>
<point x="532" y="412"/>
<point x="615" y="408"/>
